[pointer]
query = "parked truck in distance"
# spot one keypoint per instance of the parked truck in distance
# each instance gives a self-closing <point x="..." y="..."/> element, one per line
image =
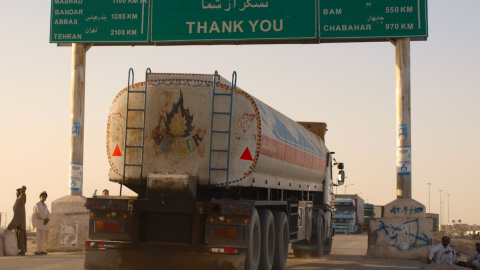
<point x="348" y="216"/>
<point x="378" y="211"/>
<point x="221" y="178"/>
<point x="368" y="213"/>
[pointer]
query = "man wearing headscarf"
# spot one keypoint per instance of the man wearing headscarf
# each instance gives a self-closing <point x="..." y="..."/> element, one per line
<point x="19" y="222"/>
<point x="40" y="219"/>
<point x="443" y="253"/>
<point x="475" y="257"/>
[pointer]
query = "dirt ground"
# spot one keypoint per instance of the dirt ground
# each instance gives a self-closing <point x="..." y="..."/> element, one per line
<point x="31" y="243"/>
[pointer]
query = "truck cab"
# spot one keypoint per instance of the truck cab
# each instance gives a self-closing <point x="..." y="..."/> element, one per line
<point x="344" y="216"/>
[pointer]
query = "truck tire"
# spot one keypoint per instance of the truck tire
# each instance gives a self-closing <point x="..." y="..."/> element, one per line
<point x="253" y="250"/>
<point x="282" y="238"/>
<point x="267" y="246"/>
<point x="318" y="236"/>
<point x="329" y="244"/>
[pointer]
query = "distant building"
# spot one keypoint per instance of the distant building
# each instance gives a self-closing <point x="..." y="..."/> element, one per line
<point x="436" y="219"/>
<point x="461" y="227"/>
<point x="457" y="227"/>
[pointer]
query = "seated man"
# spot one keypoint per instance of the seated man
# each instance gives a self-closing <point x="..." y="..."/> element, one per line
<point x="443" y="253"/>
<point x="476" y="257"/>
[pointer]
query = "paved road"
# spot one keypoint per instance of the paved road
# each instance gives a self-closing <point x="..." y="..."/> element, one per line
<point x="348" y="253"/>
<point x="52" y="261"/>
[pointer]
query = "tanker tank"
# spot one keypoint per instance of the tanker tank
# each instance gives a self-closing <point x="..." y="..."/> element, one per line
<point x="183" y="131"/>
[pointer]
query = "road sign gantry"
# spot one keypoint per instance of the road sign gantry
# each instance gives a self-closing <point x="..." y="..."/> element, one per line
<point x="162" y="22"/>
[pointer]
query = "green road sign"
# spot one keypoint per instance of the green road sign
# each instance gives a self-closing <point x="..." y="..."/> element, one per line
<point x="220" y="21"/>
<point x="170" y="22"/>
<point x="96" y="21"/>
<point x="183" y="21"/>
<point x="373" y="19"/>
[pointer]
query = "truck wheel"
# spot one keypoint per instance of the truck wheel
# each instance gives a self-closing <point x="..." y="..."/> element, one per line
<point x="282" y="238"/>
<point x="253" y="250"/>
<point x="317" y="238"/>
<point x="329" y="244"/>
<point x="267" y="249"/>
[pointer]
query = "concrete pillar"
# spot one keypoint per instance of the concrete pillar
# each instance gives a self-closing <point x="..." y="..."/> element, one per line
<point x="69" y="218"/>
<point x="68" y="224"/>
<point x="404" y="132"/>
<point x="404" y="231"/>
<point x="77" y="112"/>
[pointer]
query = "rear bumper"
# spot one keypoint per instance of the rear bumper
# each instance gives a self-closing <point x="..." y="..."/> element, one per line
<point x="116" y="258"/>
<point x="159" y="247"/>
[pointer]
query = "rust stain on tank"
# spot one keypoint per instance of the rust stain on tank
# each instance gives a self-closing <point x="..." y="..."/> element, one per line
<point x="202" y="148"/>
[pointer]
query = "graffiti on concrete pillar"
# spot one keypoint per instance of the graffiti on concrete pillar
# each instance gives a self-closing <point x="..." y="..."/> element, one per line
<point x="406" y="210"/>
<point x="69" y="234"/>
<point x="404" y="237"/>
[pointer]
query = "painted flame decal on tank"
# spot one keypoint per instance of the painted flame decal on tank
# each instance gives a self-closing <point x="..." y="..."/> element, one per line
<point x="179" y="120"/>
<point x="178" y="128"/>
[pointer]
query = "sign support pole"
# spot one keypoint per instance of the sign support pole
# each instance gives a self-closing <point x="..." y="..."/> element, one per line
<point x="69" y="211"/>
<point x="77" y="113"/>
<point x="404" y="219"/>
<point x="403" y="116"/>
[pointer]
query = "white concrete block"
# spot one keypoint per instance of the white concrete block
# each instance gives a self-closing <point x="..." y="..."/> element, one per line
<point x="68" y="224"/>
<point x="405" y="238"/>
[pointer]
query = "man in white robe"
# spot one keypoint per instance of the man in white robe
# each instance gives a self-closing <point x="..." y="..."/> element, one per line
<point x="40" y="219"/>
<point x="443" y="253"/>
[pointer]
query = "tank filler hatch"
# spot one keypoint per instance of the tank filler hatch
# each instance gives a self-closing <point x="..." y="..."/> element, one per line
<point x="317" y="128"/>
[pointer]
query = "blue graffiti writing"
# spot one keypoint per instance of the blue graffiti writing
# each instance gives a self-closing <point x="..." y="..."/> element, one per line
<point x="404" y="237"/>
<point x="412" y="210"/>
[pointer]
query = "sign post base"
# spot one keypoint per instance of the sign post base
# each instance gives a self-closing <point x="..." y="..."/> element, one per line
<point x="404" y="232"/>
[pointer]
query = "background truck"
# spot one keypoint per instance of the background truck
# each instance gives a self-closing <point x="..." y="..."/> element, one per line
<point x="222" y="180"/>
<point x="378" y="210"/>
<point x="348" y="211"/>
<point x="368" y="213"/>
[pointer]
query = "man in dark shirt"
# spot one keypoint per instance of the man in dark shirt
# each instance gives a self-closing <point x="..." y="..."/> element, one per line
<point x="19" y="220"/>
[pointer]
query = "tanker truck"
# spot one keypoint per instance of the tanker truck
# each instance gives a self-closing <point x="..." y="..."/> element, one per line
<point x="223" y="181"/>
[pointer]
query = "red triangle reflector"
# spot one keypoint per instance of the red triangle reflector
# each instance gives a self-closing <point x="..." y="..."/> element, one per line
<point x="246" y="155"/>
<point x="116" y="152"/>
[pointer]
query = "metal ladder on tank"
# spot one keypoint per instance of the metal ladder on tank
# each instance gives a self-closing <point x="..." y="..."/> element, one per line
<point x="228" y="132"/>
<point x="127" y="128"/>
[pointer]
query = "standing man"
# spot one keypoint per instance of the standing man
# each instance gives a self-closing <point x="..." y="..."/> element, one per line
<point x="19" y="222"/>
<point x="40" y="219"/>
<point x="475" y="257"/>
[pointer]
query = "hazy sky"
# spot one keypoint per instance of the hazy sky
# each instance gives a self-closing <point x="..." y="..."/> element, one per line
<point x="349" y="86"/>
